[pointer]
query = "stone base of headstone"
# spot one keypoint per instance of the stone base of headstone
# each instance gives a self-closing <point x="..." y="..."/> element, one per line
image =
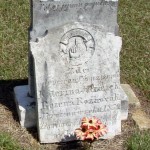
<point x="27" y="116"/>
<point x="25" y="107"/>
<point x="141" y="119"/>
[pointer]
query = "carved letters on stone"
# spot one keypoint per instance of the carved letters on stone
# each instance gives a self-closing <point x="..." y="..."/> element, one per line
<point x="49" y="14"/>
<point x="77" y="74"/>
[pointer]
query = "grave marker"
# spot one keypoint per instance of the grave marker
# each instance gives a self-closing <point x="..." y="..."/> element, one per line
<point x="77" y="72"/>
<point x="48" y="14"/>
<point x="74" y="69"/>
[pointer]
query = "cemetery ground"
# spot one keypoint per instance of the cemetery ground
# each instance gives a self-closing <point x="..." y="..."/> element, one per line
<point x="134" y="22"/>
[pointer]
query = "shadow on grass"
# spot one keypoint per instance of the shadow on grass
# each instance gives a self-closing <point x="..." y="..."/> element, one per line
<point x="7" y="94"/>
<point x="7" y="99"/>
<point x="73" y="145"/>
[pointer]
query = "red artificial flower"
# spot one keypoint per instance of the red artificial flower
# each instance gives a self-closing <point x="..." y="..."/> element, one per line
<point x="90" y="123"/>
<point x="100" y="131"/>
<point x="80" y="133"/>
<point x="91" y="129"/>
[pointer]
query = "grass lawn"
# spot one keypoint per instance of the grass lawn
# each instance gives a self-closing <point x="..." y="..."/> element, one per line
<point x="134" y="22"/>
<point x="139" y="141"/>
<point x="8" y="143"/>
<point x="14" y="23"/>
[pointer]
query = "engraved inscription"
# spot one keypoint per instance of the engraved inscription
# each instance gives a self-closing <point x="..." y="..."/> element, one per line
<point x="80" y="101"/>
<point x="104" y="108"/>
<point x="44" y="125"/>
<point x="81" y="79"/>
<point x="89" y="89"/>
<point x="59" y="6"/>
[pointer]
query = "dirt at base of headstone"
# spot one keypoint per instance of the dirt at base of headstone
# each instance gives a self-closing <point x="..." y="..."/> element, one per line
<point x="28" y="139"/>
<point x="9" y="122"/>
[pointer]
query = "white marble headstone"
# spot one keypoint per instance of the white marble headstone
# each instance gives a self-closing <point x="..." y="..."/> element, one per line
<point x="77" y="74"/>
<point x="49" y="14"/>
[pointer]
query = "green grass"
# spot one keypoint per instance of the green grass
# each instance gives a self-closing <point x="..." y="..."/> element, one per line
<point x="14" y="23"/>
<point x="139" y="141"/>
<point x="134" y="21"/>
<point x="7" y="143"/>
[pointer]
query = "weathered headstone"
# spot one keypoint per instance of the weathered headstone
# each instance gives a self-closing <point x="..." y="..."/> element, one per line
<point x="49" y="14"/>
<point x="73" y="68"/>
<point x="76" y="66"/>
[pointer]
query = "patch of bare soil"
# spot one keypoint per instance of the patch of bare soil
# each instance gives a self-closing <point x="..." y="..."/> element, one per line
<point x="28" y="138"/>
<point x="145" y="103"/>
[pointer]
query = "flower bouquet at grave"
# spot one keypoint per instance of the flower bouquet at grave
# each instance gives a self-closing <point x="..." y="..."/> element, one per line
<point x="91" y="129"/>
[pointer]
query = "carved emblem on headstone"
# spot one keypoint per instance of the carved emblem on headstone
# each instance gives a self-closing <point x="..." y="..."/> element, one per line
<point x="77" y="46"/>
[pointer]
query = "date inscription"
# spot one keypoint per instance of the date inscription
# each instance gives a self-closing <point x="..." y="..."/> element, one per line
<point x="58" y="6"/>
